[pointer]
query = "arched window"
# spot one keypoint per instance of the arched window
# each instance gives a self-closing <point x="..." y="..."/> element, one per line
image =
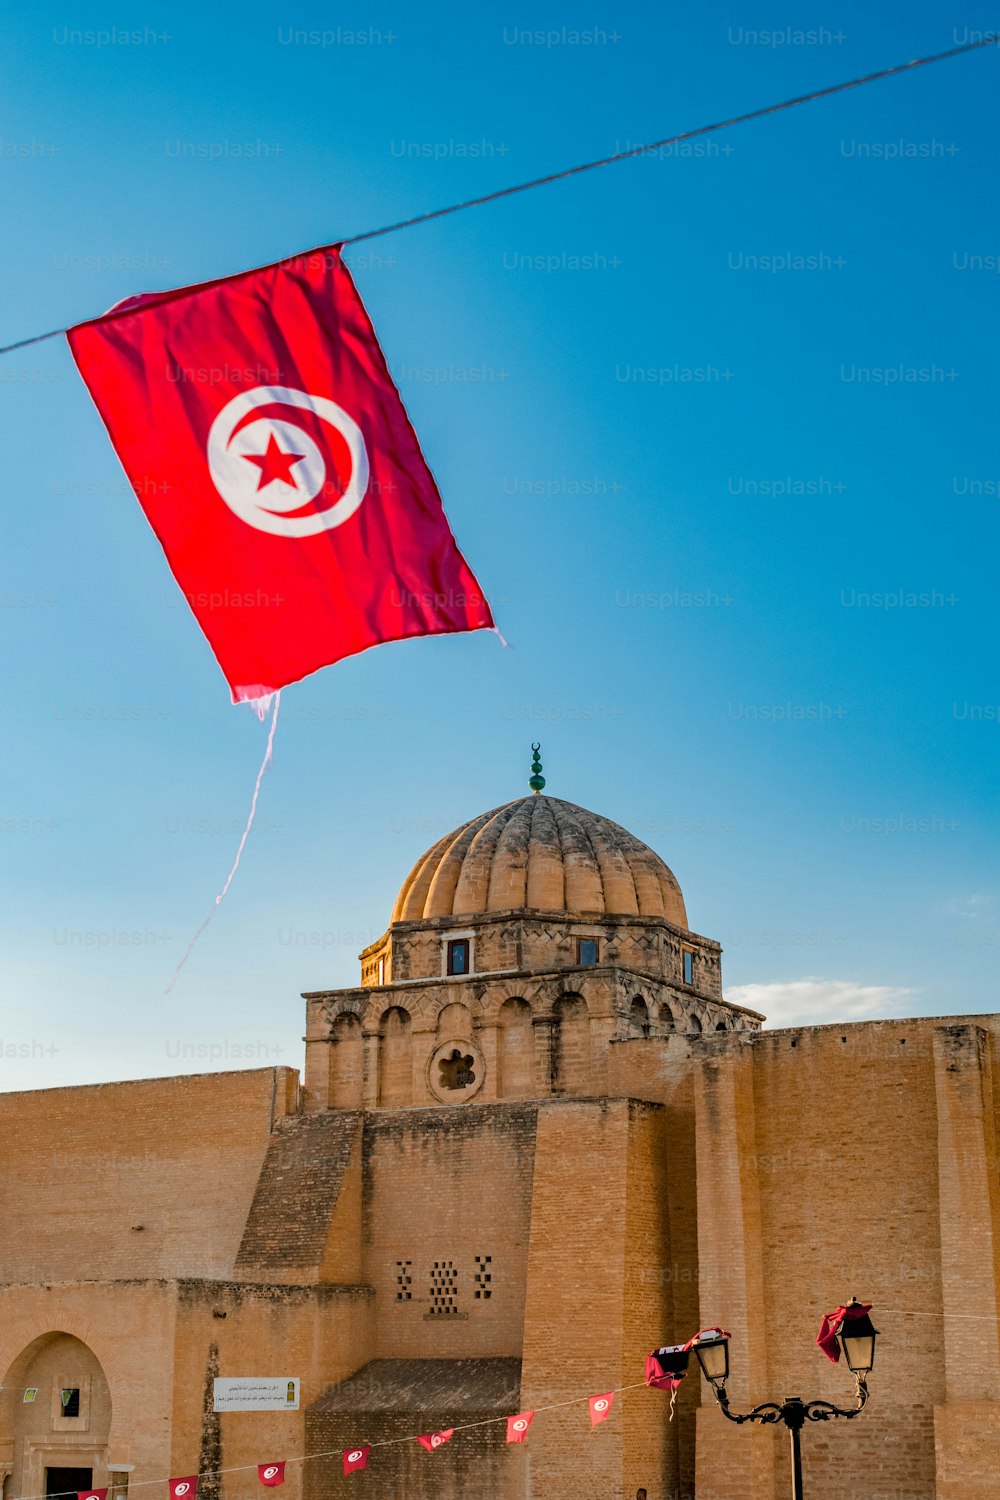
<point x="515" y="1051"/>
<point x="721" y="1026"/>
<point x="345" y="1063"/>
<point x="668" y="1021"/>
<point x="454" y="1021"/>
<point x="638" y="1019"/>
<point x="693" y="1024"/>
<point x="395" y="1058"/>
<point x="570" y="1046"/>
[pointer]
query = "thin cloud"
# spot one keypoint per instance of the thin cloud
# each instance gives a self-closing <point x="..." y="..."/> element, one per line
<point x="979" y="904"/>
<point x="815" y="1002"/>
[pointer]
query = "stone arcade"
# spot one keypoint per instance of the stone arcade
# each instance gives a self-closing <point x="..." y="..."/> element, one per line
<point x="533" y="1143"/>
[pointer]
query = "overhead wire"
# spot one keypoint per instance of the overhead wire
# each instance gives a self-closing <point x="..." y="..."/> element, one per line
<point x="989" y="40"/>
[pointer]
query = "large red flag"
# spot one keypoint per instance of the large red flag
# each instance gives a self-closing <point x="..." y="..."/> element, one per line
<point x="269" y="448"/>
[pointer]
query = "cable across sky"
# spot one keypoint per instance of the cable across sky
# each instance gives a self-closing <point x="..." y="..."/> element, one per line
<point x="606" y="161"/>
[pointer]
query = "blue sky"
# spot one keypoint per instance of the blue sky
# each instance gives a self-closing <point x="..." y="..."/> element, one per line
<point x="716" y="430"/>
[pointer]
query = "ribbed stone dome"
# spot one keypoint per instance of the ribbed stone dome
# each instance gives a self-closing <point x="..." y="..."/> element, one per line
<point x="543" y="854"/>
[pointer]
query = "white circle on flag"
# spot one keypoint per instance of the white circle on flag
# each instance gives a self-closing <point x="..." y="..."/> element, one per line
<point x="352" y="1458"/>
<point x="520" y="1425"/>
<point x="601" y="1405"/>
<point x="270" y="1471"/>
<point x="240" y="479"/>
<point x="181" y="1489"/>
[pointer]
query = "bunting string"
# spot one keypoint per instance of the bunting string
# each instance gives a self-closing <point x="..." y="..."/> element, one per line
<point x="578" y="1400"/>
<point x="484" y="1421"/>
<point x="302" y="1458"/>
<point x="989" y="40"/>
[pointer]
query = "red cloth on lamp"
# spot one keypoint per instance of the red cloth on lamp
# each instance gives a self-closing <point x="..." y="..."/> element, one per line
<point x="827" y="1337"/>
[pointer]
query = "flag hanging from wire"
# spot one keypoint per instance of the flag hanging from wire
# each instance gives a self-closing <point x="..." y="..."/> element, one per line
<point x="266" y="442"/>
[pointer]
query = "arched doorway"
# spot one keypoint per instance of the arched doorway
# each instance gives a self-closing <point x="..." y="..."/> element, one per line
<point x="55" y="1418"/>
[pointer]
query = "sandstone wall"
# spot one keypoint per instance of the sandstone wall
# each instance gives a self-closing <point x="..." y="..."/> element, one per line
<point x="81" y="1169"/>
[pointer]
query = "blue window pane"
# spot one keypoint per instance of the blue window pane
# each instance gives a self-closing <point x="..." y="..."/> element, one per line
<point x="458" y="957"/>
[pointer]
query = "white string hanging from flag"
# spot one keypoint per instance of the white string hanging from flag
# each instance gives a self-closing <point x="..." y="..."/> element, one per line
<point x="265" y="763"/>
<point x="337" y="464"/>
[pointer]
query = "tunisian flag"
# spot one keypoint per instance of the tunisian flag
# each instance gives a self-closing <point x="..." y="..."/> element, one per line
<point x="600" y="1407"/>
<point x="269" y="448"/>
<point x="433" y="1440"/>
<point x="517" y="1427"/>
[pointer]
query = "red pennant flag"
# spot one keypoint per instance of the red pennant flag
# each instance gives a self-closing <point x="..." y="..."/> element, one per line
<point x="355" y="1458"/>
<point x="434" y="1440"/>
<point x="269" y="448"/>
<point x="600" y="1407"/>
<point x="184" y="1489"/>
<point x="271" y="1473"/>
<point x="517" y="1427"/>
<point x="92" y="1494"/>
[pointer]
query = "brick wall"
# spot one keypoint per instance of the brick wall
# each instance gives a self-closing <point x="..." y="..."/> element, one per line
<point x="82" y="1168"/>
<point x="316" y="1334"/>
<point x="298" y="1191"/>
<point x="388" y="1402"/>
<point x="442" y="1187"/>
<point x="128" y="1328"/>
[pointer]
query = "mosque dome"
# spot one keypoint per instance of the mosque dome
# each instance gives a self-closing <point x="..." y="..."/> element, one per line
<point x="541" y="854"/>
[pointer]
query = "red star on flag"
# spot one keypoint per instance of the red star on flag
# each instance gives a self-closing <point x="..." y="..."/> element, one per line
<point x="274" y="464"/>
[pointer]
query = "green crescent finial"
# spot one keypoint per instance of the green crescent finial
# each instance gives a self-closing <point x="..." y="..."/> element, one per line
<point x="536" y="781"/>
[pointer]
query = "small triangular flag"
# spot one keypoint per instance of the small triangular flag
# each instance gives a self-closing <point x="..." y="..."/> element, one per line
<point x="355" y="1458"/>
<point x="517" y="1427"/>
<point x="600" y="1407"/>
<point x="432" y="1440"/>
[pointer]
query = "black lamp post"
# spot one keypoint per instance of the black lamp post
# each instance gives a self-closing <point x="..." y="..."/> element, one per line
<point x="857" y="1340"/>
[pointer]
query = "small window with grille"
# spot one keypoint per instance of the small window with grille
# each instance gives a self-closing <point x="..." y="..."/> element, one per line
<point x="483" y="1278"/>
<point x="444" y="1289"/>
<point x="404" y="1281"/>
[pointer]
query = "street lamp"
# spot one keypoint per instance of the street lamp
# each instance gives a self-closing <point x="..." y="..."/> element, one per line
<point x="856" y="1335"/>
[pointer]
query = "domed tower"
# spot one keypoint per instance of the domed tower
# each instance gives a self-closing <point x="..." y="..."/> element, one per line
<point x="520" y="948"/>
